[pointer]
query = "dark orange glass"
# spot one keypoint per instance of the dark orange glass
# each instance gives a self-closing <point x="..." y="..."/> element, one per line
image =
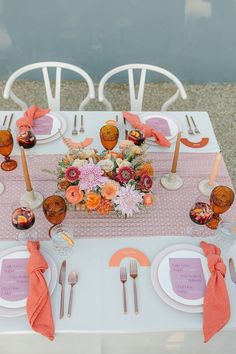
<point x="221" y="199"/>
<point x="54" y="208"/>
<point x="6" y="146"/>
<point x="109" y="135"/>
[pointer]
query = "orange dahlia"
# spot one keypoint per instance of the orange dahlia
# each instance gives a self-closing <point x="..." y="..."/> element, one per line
<point x="104" y="207"/>
<point x="146" y="169"/>
<point x="93" y="200"/>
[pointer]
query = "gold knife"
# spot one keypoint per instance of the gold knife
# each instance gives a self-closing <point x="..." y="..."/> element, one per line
<point x="232" y="270"/>
<point x="62" y="280"/>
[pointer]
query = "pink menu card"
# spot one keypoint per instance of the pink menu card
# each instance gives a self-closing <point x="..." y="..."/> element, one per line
<point x="14" y="279"/>
<point x="187" y="277"/>
<point x="159" y="124"/>
<point x="43" y="125"/>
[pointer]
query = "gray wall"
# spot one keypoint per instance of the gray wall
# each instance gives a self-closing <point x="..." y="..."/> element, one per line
<point x="195" y="39"/>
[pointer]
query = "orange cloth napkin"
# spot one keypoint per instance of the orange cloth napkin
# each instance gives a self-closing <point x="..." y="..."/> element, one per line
<point x="216" y="308"/>
<point x="28" y="119"/>
<point x="146" y="129"/>
<point x="38" y="303"/>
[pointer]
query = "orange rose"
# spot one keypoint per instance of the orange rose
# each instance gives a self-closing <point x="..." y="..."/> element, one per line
<point x="74" y="195"/>
<point x="104" y="207"/>
<point x="148" y="199"/>
<point x="93" y="200"/>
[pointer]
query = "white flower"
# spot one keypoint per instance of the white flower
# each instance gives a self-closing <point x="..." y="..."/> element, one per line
<point x="106" y="165"/>
<point x="122" y="163"/>
<point x="128" y="200"/>
<point x="86" y="153"/>
<point x="125" y="144"/>
<point x="78" y="163"/>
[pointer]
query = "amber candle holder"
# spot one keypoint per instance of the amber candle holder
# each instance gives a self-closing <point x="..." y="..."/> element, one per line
<point x="221" y="199"/>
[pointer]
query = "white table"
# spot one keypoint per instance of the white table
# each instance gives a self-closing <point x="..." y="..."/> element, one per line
<point x="97" y="324"/>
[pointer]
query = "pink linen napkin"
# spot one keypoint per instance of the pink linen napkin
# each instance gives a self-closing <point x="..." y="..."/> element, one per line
<point x="38" y="303"/>
<point x="148" y="131"/>
<point x="32" y="113"/>
<point x="216" y="308"/>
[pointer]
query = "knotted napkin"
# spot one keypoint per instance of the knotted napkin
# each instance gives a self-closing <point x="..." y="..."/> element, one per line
<point x="148" y="131"/>
<point x="32" y="113"/>
<point x="38" y="303"/>
<point x="216" y="308"/>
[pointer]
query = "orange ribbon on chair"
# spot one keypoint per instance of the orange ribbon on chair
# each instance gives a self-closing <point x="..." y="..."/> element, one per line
<point x="148" y="131"/>
<point x="216" y="308"/>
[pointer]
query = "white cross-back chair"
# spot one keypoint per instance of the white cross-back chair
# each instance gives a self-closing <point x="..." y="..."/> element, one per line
<point x="137" y="102"/>
<point x="53" y="100"/>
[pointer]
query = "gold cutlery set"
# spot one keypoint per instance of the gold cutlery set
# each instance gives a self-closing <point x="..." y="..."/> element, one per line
<point x="81" y="130"/>
<point x="194" y="130"/>
<point x="72" y="281"/>
<point x="123" y="278"/>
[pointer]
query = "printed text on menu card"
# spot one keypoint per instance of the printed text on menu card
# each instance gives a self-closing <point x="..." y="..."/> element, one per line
<point x="14" y="279"/>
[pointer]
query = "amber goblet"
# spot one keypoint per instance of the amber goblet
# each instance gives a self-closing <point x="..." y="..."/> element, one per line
<point x="109" y="135"/>
<point x="6" y="146"/>
<point x="26" y="138"/>
<point x="221" y="199"/>
<point x="54" y="208"/>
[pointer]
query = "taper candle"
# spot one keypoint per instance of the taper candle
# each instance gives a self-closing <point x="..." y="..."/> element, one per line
<point x="25" y="170"/>
<point x="176" y="153"/>
<point x="215" y="169"/>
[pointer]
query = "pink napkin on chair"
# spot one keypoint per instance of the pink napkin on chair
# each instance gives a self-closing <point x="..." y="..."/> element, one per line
<point x="216" y="308"/>
<point x="148" y="131"/>
<point x="32" y="113"/>
<point x="38" y="303"/>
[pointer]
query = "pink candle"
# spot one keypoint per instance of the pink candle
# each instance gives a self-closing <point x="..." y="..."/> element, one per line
<point x="215" y="169"/>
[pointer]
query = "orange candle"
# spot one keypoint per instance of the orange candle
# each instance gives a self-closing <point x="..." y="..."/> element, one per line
<point x="25" y="170"/>
<point x="176" y="153"/>
<point x="215" y="169"/>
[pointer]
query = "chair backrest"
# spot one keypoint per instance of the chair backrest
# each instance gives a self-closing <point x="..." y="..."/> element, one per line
<point x="137" y="102"/>
<point x="53" y="100"/>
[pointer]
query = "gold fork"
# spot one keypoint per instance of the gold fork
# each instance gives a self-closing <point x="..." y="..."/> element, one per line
<point x="123" y="279"/>
<point x="134" y="274"/>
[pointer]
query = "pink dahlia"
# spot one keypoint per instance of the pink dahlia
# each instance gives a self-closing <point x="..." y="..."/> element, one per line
<point x="145" y="183"/>
<point x="91" y="176"/>
<point x="72" y="174"/>
<point x="125" y="174"/>
<point x="128" y="200"/>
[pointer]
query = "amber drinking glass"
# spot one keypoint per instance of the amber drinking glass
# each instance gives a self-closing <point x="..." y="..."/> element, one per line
<point x="26" y="138"/>
<point x="6" y="146"/>
<point x="221" y="199"/>
<point x="54" y="208"/>
<point x="109" y="135"/>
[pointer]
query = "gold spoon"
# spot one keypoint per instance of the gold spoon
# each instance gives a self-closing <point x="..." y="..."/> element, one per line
<point x="72" y="280"/>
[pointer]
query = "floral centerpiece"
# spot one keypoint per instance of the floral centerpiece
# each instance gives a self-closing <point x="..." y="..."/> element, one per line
<point x="111" y="181"/>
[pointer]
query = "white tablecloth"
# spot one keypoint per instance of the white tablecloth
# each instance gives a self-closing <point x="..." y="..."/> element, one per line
<point x="98" y="324"/>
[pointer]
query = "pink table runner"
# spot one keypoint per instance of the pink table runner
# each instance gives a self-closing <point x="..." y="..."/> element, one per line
<point x="169" y="216"/>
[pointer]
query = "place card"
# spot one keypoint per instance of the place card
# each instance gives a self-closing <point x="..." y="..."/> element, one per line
<point x="43" y="125"/>
<point x="159" y="124"/>
<point x="187" y="277"/>
<point x="14" y="279"/>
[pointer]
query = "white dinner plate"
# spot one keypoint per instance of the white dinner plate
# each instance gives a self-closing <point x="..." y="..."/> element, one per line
<point x="16" y="312"/>
<point x="19" y="255"/>
<point x="157" y="286"/>
<point x="165" y="279"/>
<point x="58" y="123"/>
<point x="168" y="123"/>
